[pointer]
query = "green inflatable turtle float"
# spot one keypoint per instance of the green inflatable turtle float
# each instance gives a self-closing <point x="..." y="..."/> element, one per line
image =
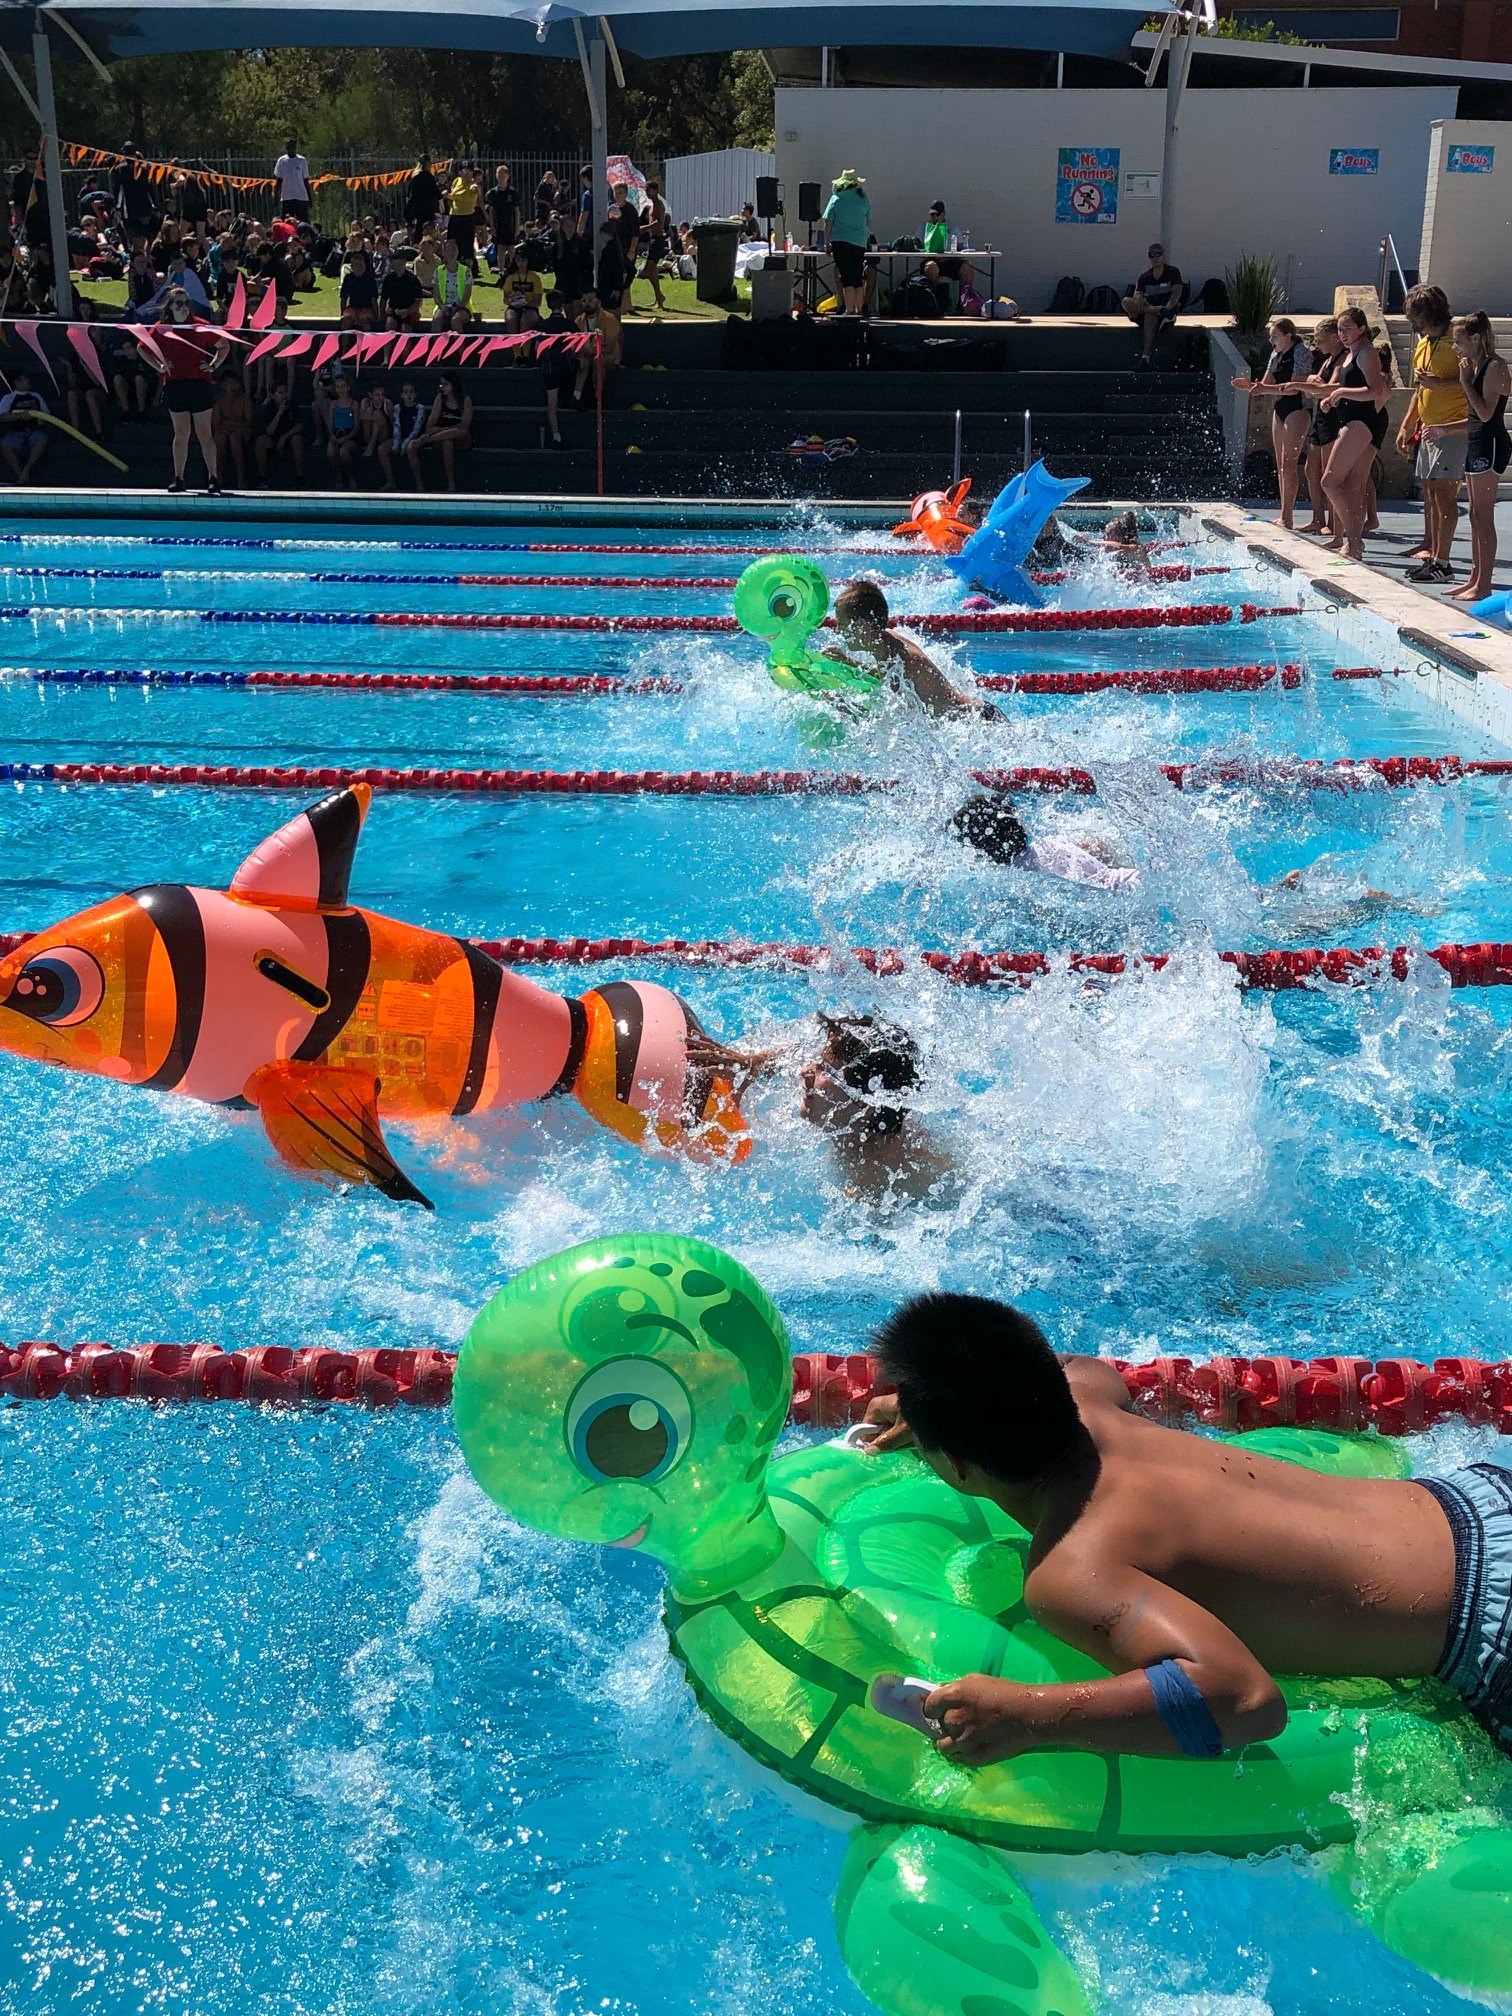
<point x="630" y="1391"/>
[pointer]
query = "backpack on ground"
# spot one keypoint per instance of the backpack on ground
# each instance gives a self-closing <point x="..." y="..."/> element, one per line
<point x="1069" y="295"/>
<point x="1103" y="301"/>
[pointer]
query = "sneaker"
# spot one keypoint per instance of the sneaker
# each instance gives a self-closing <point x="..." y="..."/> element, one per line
<point x="213" y="488"/>
<point x="177" y="487"/>
<point x="1430" y="571"/>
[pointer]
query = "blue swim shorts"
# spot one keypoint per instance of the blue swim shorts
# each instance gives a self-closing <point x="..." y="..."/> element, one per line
<point x="1477" y="1659"/>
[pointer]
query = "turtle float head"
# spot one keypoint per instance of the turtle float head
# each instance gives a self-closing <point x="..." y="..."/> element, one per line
<point x="629" y="1391"/>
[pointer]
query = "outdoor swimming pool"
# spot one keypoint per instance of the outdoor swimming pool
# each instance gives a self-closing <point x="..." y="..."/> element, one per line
<point x="295" y="1720"/>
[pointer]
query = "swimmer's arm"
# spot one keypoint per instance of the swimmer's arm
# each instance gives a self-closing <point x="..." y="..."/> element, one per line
<point x="933" y="690"/>
<point x="1129" y="1621"/>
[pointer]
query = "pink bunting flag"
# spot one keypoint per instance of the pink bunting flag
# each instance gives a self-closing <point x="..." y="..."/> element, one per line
<point x="83" y="344"/>
<point x="419" y="347"/>
<point x="471" y="349"/>
<point x="145" y="340"/>
<point x="266" y="309"/>
<point x="267" y="343"/>
<point x="297" y="345"/>
<point x="27" y="331"/>
<point x="328" y="348"/>
<point x="236" y="314"/>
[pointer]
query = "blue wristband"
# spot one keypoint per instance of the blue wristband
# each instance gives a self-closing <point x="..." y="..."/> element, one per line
<point x="1179" y="1704"/>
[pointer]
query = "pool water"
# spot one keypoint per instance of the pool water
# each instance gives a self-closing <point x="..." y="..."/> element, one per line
<point x="294" y="1720"/>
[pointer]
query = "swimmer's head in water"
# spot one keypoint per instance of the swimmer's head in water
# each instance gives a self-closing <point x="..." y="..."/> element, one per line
<point x="860" y="610"/>
<point x="853" y="1088"/>
<point x="1124" y="529"/>
<point x="990" y="824"/>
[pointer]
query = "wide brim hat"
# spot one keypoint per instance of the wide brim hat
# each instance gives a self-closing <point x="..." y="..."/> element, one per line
<point x="848" y="179"/>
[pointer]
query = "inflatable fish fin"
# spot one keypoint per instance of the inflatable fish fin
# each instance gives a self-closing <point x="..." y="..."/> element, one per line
<point x="324" y="1119"/>
<point x="307" y="863"/>
<point x="933" y="1925"/>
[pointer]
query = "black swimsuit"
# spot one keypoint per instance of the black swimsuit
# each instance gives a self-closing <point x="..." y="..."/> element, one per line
<point x="1281" y="371"/>
<point x="1325" y="426"/>
<point x="1374" y="417"/>
<point x="1488" y="445"/>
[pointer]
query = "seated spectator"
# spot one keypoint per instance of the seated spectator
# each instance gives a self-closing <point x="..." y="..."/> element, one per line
<point x="343" y="436"/>
<point x="322" y="392"/>
<point x="452" y="290"/>
<point x="231" y="423"/>
<point x="282" y="429"/>
<point x="449" y="428"/>
<point x="407" y="423"/>
<point x="358" y="300"/>
<point x="141" y="281"/>
<point x="375" y="421"/>
<point x="132" y="385"/>
<point x="686" y="253"/>
<point x="401" y="295"/>
<point x="164" y="245"/>
<point x="750" y="230"/>
<point x="523" y="292"/>
<point x="1153" y="301"/>
<point x="180" y="278"/>
<point x="558" y="365"/>
<point x="595" y="319"/>
<point x="935" y="237"/>
<point x="426" y="263"/>
<point x="84" y="400"/>
<point x="21" y="433"/>
<point x="378" y="258"/>
<point x="227" y="273"/>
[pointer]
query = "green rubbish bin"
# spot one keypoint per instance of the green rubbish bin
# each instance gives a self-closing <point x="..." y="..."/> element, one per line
<point x="714" y="241"/>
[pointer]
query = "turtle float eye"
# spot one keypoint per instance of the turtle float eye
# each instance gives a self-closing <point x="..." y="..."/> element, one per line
<point x="60" y="987"/>
<point x="628" y="1420"/>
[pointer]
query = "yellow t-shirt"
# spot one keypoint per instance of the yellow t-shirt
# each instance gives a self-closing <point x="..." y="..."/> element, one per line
<point x="464" y="196"/>
<point x="1439" y="405"/>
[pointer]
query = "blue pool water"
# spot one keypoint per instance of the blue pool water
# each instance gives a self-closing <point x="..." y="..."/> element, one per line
<point x="293" y="1720"/>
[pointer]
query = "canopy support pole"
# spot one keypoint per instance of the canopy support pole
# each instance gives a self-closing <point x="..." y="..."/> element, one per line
<point x="1178" y="65"/>
<point x="53" y="168"/>
<point x="603" y="196"/>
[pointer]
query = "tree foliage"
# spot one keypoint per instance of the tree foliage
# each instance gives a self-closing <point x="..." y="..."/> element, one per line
<point x="396" y="101"/>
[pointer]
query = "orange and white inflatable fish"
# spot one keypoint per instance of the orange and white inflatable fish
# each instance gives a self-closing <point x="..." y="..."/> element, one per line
<point x="277" y="994"/>
<point x="936" y="519"/>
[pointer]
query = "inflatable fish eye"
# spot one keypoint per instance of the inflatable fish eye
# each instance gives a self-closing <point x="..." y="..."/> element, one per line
<point x="61" y="987"/>
<point x="628" y="1422"/>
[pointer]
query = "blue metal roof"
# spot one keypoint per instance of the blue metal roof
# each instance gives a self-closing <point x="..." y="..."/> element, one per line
<point x="117" y="28"/>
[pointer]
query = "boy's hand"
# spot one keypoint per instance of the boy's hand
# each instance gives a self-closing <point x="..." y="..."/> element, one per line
<point x="883" y="1412"/>
<point x="982" y="1721"/>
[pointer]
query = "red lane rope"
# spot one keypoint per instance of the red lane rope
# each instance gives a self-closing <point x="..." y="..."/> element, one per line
<point x="1345" y="773"/>
<point x="1275" y="970"/>
<point x="1393" y="1396"/>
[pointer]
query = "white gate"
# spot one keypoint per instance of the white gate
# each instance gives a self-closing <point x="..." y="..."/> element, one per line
<point x="715" y="185"/>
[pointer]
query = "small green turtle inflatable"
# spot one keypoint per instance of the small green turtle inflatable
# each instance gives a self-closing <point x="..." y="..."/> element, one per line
<point x="630" y="1392"/>
<point x="783" y="599"/>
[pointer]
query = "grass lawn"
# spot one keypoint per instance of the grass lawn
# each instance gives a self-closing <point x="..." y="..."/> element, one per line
<point x="321" y="306"/>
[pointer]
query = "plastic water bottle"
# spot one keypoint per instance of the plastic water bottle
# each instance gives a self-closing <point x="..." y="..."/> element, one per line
<point x="965" y="238"/>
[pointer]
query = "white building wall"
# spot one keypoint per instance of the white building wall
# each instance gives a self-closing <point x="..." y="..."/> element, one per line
<point x="1254" y="175"/>
<point x="716" y="185"/>
<point x="1467" y="217"/>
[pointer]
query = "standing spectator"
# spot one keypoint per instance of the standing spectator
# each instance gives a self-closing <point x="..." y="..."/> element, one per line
<point x="19" y="434"/>
<point x="571" y="262"/>
<point x="1288" y="367"/>
<point x="545" y="197"/>
<point x="407" y="425"/>
<point x="847" y="218"/>
<point x="466" y="198"/>
<point x="503" y="206"/>
<point x="282" y="429"/>
<point x="291" y="174"/>
<point x="131" y="188"/>
<point x="522" y="294"/>
<point x="193" y="205"/>
<point x="1437" y="415"/>
<point x="614" y="270"/>
<point x="558" y="365"/>
<point x="452" y="291"/>
<point x="655" y="224"/>
<point x="1486" y="382"/>
<point x="1360" y="391"/>
<point x="190" y="358"/>
<point x="422" y="199"/>
<point x="401" y="294"/>
<point x="359" y="294"/>
<point x="231" y="422"/>
<point x="449" y="429"/>
<point x="1153" y="300"/>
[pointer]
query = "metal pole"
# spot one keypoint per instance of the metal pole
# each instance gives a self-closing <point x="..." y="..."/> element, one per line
<point x="956" y="473"/>
<point x="1028" y="438"/>
<point x="1178" y="63"/>
<point x="53" y="168"/>
<point x="598" y="106"/>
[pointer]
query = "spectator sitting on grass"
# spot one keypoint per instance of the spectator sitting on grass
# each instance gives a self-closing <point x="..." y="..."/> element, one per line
<point x="595" y="319"/>
<point x="231" y="423"/>
<point x="452" y="291"/>
<point x="401" y="295"/>
<point x="21" y="432"/>
<point x="359" y="294"/>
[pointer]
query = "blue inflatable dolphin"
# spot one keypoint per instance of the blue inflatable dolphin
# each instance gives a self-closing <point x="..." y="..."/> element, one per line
<point x="1495" y="608"/>
<point x="993" y="557"/>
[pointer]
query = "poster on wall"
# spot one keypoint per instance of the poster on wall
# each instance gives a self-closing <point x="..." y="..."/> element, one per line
<point x="1086" y="185"/>
<point x="1354" y="160"/>
<point x="1465" y="160"/>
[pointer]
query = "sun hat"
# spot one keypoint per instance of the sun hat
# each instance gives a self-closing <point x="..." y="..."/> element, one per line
<point x="848" y="179"/>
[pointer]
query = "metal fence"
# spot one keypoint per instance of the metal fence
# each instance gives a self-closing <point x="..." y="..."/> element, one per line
<point x="333" y="208"/>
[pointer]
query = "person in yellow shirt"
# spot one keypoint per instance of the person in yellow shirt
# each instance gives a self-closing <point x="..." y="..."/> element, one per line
<point x="1438" y="414"/>
<point x="465" y="200"/>
<point x="595" y="318"/>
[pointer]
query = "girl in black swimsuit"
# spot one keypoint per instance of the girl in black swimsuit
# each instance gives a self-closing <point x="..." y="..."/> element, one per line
<point x="1488" y="446"/>
<point x="1359" y="397"/>
<point x="1327" y="355"/>
<point x="1288" y="365"/>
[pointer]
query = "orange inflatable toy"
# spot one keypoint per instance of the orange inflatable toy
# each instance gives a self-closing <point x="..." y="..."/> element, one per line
<point x="936" y="519"/>
<point x="277" y="994"/>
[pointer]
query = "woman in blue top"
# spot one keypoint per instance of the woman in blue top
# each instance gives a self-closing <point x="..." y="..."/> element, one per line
<point x="847" y="216"/>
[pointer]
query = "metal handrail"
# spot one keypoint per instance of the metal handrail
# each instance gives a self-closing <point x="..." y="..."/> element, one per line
<point x="1389" y="252"/>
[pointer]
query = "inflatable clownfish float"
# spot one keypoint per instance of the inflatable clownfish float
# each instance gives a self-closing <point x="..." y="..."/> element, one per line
<point x="278" y="994"/>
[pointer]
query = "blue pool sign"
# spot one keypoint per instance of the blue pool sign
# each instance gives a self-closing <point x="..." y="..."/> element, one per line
<point x="1465" y="160"/>
<point x="1086" y="185"/>
<point x="1354" y="160"/>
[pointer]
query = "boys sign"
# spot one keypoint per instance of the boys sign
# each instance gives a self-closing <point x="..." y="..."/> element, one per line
<point x="1086" y="185"/>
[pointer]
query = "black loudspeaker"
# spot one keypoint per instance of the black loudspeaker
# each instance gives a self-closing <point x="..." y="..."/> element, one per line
<point x="810" y="206"/>
<point x="768" y="202"/>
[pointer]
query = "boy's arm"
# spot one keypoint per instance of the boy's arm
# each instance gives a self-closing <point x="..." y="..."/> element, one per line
<point x="933" y="690"/>
<point x="1153" y="1638"/>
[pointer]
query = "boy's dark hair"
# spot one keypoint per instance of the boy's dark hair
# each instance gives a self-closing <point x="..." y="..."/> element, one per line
<point x="555" y="301"/>
<point x="872" y="1057"/>
<point x="977" y="1380"/>
<point x="861" y="602"/>
<point x="989" y="823"/>
<point x="1124" y="527"/>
